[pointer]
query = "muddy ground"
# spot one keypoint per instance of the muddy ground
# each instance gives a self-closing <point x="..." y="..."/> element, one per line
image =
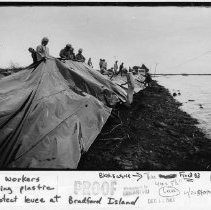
<point x="154" y="134"/>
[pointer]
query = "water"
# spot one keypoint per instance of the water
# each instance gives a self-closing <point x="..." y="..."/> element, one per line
<point x="195" y="94"/>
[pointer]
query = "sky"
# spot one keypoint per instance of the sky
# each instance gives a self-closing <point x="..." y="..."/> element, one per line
<point x="171" y="37"/>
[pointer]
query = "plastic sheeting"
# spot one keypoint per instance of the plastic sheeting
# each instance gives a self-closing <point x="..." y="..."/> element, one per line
<point x="92" y="82"/>
<point x="51" y="113"/>
<point x="119" y="80"/>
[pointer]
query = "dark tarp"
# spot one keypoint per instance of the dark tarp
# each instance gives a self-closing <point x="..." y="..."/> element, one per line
<point x="52" y="113"/>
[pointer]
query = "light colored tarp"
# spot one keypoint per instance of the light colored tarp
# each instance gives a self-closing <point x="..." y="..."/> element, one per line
<point x="51" y="113"/>
<point x="119" y="80"/>
<point x="92" y="82"/>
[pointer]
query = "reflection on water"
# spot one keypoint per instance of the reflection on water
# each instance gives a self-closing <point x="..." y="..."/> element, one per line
<point x="195" y="96"/>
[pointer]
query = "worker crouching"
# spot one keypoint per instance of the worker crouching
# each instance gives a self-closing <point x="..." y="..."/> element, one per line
<point x="67" y="53"/>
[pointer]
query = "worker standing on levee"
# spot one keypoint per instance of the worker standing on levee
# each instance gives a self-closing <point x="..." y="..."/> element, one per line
<point x="121" y="68"/>
<point x="104" y="65"/>
<point x="115" y="67"/>
<point x="42" y="50"/>
<point x="100" y="63"/>
<point x="79" y="57"/>
<point x="131" y="86"/>
<point x="33" y="54"/>
<point x="103" y="69"/>
<point x="148" y="78"/>
<point x="90" y="62"/>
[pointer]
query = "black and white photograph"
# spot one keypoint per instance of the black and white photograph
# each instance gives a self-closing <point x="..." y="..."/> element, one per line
<point x="112" y="87"/>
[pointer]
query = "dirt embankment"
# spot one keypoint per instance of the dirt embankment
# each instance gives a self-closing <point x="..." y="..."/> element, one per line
<point x="154" y="134"/>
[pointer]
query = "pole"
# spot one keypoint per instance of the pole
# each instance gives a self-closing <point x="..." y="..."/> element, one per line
<point x="155" y="68"/>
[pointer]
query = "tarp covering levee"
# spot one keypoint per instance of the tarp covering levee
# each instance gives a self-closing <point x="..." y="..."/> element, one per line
<point x="92" y="82"/>
<point x="51" y="113"/>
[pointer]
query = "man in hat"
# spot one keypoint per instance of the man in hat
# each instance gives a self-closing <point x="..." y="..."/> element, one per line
<point x="33" y="54"/>
<point x="42" y="50"/>
<point x="66" y="53"/>
<point x="104" y="65"/>
<point x="115" y="67"/>
<point x="72" y="54"/>
<point x="79" y="57"/>
<point x="90" y="62"/>
<point x="100" y="63"/>
<point x="148" y="78"/>
<point x="121" y="68"/>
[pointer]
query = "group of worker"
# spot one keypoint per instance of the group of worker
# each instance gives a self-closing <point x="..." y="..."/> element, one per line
<point x="42" y="52"/>
<point x="67" y="53"/>
<point x="113" y="70"/>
